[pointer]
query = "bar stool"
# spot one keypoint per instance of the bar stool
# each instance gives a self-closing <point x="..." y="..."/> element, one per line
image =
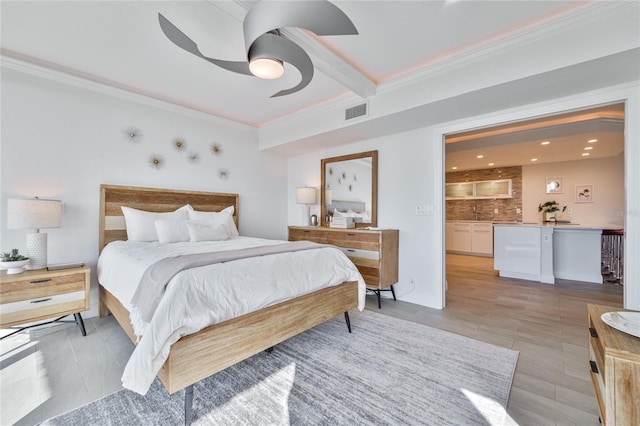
<point x="612" y="254"/>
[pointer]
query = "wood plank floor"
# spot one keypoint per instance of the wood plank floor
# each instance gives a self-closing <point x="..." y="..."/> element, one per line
<point x="50" y="371"/>
<point x="547" y="324"/>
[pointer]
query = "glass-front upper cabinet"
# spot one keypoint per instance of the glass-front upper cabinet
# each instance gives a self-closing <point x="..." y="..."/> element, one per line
<point x="493" y="188"/>
<point x="459" y="190"/>
<point x="477" y="190"/>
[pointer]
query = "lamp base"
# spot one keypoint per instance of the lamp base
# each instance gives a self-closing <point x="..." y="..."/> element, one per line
<point x="306" y="218"/>
<point x="37" y="250"/>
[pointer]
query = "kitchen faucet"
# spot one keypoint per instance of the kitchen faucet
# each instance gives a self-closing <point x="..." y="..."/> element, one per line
<point x="475" y="211"/>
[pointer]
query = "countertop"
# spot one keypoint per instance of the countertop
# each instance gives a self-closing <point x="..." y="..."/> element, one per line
<point x="557" y="225"/>
<point x="560" y="225"/>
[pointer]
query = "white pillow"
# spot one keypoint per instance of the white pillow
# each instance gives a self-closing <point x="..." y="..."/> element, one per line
<point x="172" y="231"/>
<point x="141" y="225"/>
<point x="223" y="217"/>
<point x="206" y="231"/>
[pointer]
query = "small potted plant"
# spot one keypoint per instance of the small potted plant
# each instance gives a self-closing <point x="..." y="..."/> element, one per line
<point x="13" y="261"/>
<point x="549" y="210"/>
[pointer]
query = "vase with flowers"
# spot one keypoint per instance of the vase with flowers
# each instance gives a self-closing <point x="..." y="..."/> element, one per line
<point x="549" y="210"/>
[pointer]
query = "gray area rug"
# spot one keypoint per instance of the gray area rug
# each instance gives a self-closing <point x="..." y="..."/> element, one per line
<point x="388" y="371"/>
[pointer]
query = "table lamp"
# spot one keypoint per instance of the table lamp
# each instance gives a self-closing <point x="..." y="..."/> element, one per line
<point x="306" y="196"/>
<point x="34" y="214"/>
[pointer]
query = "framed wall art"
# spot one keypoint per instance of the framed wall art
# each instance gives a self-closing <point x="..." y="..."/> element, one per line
<point x="584" y="193"/>
<point x="555" y="185"/>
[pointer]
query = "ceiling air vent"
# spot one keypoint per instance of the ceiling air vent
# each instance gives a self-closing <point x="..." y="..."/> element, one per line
<point x="356" y="111"/>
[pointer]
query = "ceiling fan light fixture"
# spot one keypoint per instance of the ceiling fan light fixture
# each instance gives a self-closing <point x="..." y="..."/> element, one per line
<point x="266" y="68"/>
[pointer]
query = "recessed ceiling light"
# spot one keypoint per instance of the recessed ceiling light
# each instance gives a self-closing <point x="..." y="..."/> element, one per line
<point x="534" y="159"/>
<point x="545" y="143"/>
<point x="587" y="148"/>
<point x="480" y="156"/>
<point x="592" y="140"/>
<point x="491" y="164"/>
<point x="454" y="168"/>
<point x="585" y="154"/>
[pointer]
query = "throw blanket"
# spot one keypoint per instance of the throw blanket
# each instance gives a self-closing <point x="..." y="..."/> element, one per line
<point x="155" y="279"/>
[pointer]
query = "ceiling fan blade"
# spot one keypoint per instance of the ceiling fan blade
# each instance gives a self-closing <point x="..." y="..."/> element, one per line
<point x="318" y="16"/>
<point x="270" y="45"/>
<point x="181" y="40"/>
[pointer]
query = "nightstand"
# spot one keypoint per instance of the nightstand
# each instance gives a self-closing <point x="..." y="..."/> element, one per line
<point x="37" y="295"/>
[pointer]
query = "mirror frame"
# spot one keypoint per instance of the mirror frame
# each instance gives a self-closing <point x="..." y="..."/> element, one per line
<point x="374" y="185"/>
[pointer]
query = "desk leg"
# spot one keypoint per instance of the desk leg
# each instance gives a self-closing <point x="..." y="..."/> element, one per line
<point x="78" y="318"/>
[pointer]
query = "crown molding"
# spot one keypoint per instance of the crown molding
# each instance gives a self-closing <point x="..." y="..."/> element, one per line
<point x="26" y="65"/>
<point x="553" y="25"/>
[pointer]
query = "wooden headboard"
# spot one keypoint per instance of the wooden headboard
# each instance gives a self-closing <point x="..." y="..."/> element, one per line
<point x="113" y="197"/>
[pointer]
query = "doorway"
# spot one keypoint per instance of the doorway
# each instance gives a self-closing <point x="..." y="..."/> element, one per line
<point x="575" y="148"/>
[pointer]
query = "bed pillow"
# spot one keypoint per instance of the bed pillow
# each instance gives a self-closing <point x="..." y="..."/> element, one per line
<point x="206" y="231"/>
<point x="172" y="231"/>
<point x="223" y="217"/>
<point x="141" y="225"/>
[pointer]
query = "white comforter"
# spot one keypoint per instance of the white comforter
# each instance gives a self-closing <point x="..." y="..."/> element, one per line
<point x="198" y="297"/>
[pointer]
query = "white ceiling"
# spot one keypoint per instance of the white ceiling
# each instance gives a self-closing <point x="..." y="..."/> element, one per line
<point x="120" y="43"/>
<point x="566" y="138"/>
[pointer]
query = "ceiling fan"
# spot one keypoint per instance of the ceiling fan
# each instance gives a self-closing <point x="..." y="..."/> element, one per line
<point x="266" y="48"/>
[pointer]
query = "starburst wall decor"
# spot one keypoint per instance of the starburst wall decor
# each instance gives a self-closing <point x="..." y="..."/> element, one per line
<point x="156" y="161"/>
<point x="193" y="157"/>
<point x="133" y="134"/>
<point x="179" y="144"/>
<point x="216" y="148"/>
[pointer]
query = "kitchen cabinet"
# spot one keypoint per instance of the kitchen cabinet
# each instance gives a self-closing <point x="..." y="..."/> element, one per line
<point x="459" y="190"/>
<point x="482" y="238"/>
<point x="486" y="189"/>
<point x="461" y="237"/>
<point x="474" y="238"/>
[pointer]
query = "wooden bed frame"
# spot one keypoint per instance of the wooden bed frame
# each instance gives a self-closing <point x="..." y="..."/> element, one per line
<point x="199" y="355"/>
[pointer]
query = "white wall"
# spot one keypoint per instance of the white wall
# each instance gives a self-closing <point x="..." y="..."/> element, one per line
<point x="411" y="172"/>
<point x="403" y="182"/>
<point x="62" y="142"/>
<point x="606" y="174"/>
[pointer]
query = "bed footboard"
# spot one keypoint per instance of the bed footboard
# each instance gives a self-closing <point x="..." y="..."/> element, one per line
<point x="199" y="355"/>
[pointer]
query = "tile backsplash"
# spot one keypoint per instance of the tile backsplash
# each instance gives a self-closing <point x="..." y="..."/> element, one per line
<point x="464" y="209"/>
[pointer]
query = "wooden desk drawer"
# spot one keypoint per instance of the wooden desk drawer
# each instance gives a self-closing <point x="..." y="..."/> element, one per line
<point x="41" y="307"/>
<point x="356" y="240"/>
<point x="315" y="235"/>
<point x="359" y="257"/>
<point x="37" y="287"/>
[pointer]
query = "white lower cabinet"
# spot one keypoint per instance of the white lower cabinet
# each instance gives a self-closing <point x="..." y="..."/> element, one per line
<point x="474" y="238"/>
<point x="482" y="238"/>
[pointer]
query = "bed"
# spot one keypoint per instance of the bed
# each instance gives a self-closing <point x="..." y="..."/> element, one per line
<point x="212" y="349"/>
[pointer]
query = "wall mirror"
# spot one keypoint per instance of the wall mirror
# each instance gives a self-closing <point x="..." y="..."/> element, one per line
<point x="349" y="187"/>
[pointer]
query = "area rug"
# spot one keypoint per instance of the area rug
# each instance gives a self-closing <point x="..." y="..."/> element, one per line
<point x="388" y="371"/>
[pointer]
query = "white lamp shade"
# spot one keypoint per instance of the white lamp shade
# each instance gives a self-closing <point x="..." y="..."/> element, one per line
<point x="33" y="213"/>
<point x="305" y="195"/>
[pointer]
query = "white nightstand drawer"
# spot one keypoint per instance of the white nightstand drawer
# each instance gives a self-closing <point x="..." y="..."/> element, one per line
<point x="41" y="302"/>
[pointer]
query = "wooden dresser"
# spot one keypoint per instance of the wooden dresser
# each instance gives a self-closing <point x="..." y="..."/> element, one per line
<point x="614" y="357"/>
<point x="374" y="252"/>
